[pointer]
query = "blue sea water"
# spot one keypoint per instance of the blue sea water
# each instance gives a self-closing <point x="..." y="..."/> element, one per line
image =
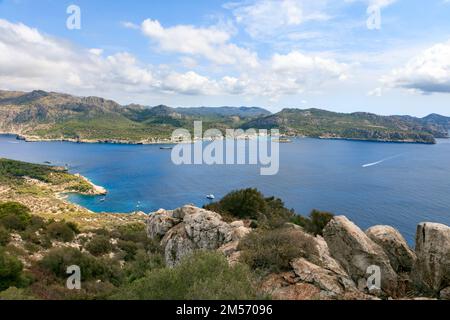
<point x="371" y="183"/>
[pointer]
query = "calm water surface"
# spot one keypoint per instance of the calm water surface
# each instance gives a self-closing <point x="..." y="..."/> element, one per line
<point x="411" y="184"/>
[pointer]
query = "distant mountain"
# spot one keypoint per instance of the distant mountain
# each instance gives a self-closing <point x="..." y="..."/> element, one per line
<point x="359" y="125"/>
<point x="438" y="120"/>
<point x="54" y="116"/>
<point x="41" y="115"/>
<point x="243" y="112"/>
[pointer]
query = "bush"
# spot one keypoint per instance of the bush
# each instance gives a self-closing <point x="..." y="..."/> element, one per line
<point x="99" y="245"/>
<point x="315" y="223"/>
<point x="57" y="260"/>
<point x="10" y="270"/>
<point x="273" y="250"/>
<point x="14" y="216"/>
<point x="142" y="264"/>
<point x="248" y="203"/>
<point x="203" y="276"/>
<point x="129" y="248"/>
<point x="5" y="236"/>
<point x="251" y="204"/>
<point x="15" y="294"/>
<point x="61" y="231"/>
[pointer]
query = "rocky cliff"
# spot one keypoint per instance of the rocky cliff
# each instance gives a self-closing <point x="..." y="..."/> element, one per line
<point x="342" y="264"/>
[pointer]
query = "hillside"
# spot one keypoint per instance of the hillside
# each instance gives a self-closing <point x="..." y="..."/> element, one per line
<point x="41" y="115"/>
<point x="359" y="126"/>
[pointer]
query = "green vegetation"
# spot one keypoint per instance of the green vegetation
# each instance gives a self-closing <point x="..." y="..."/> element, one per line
<point x="10" y="270"/>
<point x="14" y="216"/>
<point x="12" y="173"/>
<point x="273" y="250"/>
<point x="99" y="245"/>
<point x="59" y="116"/>
<point x="251" y="204"/>
<point x="61" y="231"/>
<point x="203" y="275"/>
<point x="315" y="223"/>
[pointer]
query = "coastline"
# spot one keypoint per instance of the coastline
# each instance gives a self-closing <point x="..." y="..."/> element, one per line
<point x="155" y="141"/>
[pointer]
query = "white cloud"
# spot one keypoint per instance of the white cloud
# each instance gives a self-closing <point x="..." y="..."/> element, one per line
<point x="428" y="72"/>
<point x="31" y="60"/>
<point x="210" y="43"/>
<point x="266" y="17"/>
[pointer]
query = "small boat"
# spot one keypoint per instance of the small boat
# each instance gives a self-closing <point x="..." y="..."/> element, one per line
<point x="166" y="148"/>
<point x="102" y="199"/>
<point x="210" y="197"/>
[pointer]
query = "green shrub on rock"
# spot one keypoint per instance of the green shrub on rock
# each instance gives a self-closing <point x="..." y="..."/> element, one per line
<point x="5" y="236"/>
<point x="99" y="245"/>
<point x="61" y="231"/>
<point x="273" y="250"/>
<point x="14" y="216"/>
<point x="315" y="223"/>
<point x="203" y="275"/>
<point x="10" y="270"/>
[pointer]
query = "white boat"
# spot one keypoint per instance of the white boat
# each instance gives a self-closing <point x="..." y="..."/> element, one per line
<point x="210" y="197"/>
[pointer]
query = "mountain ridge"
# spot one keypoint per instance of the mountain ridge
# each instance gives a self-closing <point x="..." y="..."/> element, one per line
<point x="41" y="115"/>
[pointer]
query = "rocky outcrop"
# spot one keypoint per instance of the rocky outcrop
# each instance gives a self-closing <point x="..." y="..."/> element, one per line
<point x="189" y="228"/>
<point x="394" y="245"/>
<point x="431" y="272"/>
<point x="338" y="265"/>
<point x="356" y="252"/>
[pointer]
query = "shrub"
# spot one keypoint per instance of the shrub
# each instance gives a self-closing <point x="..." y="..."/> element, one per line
<point x="15" y="294"/>
<point x="60" y="231"/>
<point x="10" y="270"/>
<point x="247" y="203"/>
<point x="57" y="260"/>
<point x="251" y="204"/>
<point x="5" y="236"/>
<point x="315" y="223"/>
<point x="273" y="250"/>
<point x="99" y="245"/>
<point x="14" y="216"/>
<point x="142" y="264"/>
<point x="203" y="275"/>
<point x="129" y="248"/>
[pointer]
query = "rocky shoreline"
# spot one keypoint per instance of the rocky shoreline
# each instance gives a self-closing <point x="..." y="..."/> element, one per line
<point x="158" y="141"/>
<point x="340" y="264"/>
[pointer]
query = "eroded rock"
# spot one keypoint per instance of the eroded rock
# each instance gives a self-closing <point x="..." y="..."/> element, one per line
<point x="356" y="252"/>
<point x="431" y="272"/>
<point x="394" y="245"/>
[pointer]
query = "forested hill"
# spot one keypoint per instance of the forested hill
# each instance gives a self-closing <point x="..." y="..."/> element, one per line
<point x="56" y="116"/>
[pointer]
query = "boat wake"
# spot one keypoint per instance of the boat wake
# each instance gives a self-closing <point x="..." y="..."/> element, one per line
<point x="380" y="162"/>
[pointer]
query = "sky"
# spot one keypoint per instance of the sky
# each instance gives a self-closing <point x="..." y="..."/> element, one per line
<point x="380" y="56"/>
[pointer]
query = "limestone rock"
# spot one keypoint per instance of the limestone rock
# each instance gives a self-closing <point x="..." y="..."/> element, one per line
<point x="318" y="276"/>
<point x="356" y="252"/>
<point x="189" y="228"/>
<point x="445" y="294"/>
<point x="431" y="272"/>
<point x="394" y="245"/>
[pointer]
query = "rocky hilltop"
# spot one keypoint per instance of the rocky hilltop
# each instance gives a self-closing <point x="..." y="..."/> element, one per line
<point x="335" y="266"/>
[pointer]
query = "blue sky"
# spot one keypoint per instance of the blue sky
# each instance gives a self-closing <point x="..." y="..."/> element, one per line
<point x="269" y="53"/>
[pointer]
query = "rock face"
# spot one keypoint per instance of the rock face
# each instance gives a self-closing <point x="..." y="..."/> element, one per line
<point x="394" y="245"/>
<point x="356" y="252"/>
<point x="189" y="228"/>
<point x="431" y="272"/>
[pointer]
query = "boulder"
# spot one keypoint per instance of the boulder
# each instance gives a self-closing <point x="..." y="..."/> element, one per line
<point x="322" y="278"/>
<point x="431" y="272"/>
<point x="445" y="294"/>
<point x="401" y="257"/>
<point x="189" y="228"/>
<point x="356" y="252"/>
